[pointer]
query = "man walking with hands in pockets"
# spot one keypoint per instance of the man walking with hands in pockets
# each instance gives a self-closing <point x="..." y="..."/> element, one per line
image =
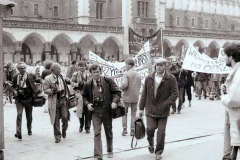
<point x="160" y="91"/>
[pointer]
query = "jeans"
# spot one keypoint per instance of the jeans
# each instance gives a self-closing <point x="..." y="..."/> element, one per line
<point x="61" y="113"/>
<point x="227" y="148"/>
<point x="28" y="110"/>
<point x="101" y="115"/>
<point x="160" y="124"/>
<point x="180" y="100"/>
<point x="133" y="107"/>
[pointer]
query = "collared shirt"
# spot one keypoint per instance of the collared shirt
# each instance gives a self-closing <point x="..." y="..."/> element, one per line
<point x="59" y="82"/>
<point x="98" y="84"/>
<point x="158" y="78"/>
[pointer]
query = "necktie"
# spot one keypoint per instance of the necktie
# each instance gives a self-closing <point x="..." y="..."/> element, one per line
<point x="98" y="85"/>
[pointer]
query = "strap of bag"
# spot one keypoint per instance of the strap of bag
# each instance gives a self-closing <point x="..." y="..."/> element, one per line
<point x="132" y="142"/>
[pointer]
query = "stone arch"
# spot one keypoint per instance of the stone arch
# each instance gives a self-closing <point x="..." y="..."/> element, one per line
<point x="110" y="49"/>
<point x="35" y="42"/>
<point x="89" y="37"/>
<point x="167" y="46"/>
<point x="199" y="45"/>
<point x="36" y="35"/>
<point x="180" y="48"/>
<point x="86" y="44"/>
<point x="213" y="49"/>
<point x="62" y="44"/>
<point x="8" y="46"/>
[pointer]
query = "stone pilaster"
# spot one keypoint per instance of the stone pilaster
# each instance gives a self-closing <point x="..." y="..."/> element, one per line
<point x="83" y="11"/>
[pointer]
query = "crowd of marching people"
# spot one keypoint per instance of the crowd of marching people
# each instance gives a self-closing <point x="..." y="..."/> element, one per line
<point x="98" y="95"/>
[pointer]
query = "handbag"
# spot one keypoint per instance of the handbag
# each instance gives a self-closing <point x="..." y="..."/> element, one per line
<point x="139" y="130"/>
<point x="39" y="101"/>
<point x="72" y="100"/>
<point x="119" y="111"/>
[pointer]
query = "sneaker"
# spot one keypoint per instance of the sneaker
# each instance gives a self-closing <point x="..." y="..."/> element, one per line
<point x="151" y="149"/>
<point x="178" y="112"/>
<point x="158" y="157"/>
<point x="124" y="131"/>
<point x="110" y="155"/>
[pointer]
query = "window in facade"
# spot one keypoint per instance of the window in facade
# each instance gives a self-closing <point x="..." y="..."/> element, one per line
<point x="219" y="25"/>
<point x="35" y="9"/>
<point x="193" y="22"/>
<point x="232" y="27"/>
<point x="206" y="23"/>
<point x="55" y="11"/>
<point x="142" y="9"/>
<point x="178" y="21"/>
<point x="99" y="10"/>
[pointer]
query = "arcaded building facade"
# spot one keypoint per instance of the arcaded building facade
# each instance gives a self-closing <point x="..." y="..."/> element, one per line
<point x="65" y="30"/>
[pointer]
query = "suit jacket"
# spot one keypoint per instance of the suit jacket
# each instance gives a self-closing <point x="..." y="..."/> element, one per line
<point x="52" y="98"/>
<point x="111" y="92"/>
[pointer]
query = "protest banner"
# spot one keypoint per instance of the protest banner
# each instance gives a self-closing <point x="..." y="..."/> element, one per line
<point x="198" y="62"/>
<point x="136" y="42"/>
<point x="116" y="69"/>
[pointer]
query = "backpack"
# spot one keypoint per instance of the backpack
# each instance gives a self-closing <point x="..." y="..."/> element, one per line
<point x="139" y="132"/>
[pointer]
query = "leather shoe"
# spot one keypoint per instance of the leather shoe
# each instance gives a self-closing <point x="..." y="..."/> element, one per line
<point x="87" y="131"/>
<point x="29" y="132"/>
<point x="19" y="136"/>
<point x="110" y="155"/>
<point x="151" y="149"/>
<point x="57" y="140"/>
<point x="158" y="157"/>
<point x="173" y="112"/>
<point x="64" y="134"/>
<point x="80" y="129"/>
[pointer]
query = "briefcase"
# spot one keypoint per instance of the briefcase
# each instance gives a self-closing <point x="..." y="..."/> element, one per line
<point x="118" y="112"/>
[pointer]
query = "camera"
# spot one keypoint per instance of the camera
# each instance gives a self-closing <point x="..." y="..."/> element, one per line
<point x="60" y="94"/>
<point x="97" y="102"/>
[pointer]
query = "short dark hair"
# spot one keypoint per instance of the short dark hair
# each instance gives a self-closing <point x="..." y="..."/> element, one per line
<point x="82" y="63"/>
<point x="234" y="51"/>
<point x="47" y="64"/>
<point x="94" y="67"/>
<point x="130" y="61"/>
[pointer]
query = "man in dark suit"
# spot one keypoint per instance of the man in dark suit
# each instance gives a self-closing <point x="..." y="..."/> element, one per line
<point x="101" y="95"/>
<point x="24" y="89"/>
<point x="160" y="91"/>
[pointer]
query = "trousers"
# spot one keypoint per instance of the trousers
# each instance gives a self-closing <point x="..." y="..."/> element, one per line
<point x="159" y="124"/>
<point x="133" y="107"/>
<point x="101" y="116"/>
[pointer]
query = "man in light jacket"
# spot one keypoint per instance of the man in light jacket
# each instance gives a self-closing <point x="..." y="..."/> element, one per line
<point x="131" y="84"/>
<point x="230" y="98"/>
<point x="160" y="91"/>
<point x="55" y="87"/>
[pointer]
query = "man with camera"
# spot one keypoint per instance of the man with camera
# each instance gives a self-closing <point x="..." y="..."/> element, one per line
<point x="101" y="95"/>
<point x="9" y="72"/>
<point x="23" y="90"/>
<point x="55" y="86"/>
<point x="78" y="80"/>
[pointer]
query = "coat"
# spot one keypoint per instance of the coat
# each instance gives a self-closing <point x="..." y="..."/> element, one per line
<point x="76" y="78"/>
<point x="167" y="93"/>
<point x="52" y="98"/>
<point x="111" y="92"/>
<point x="131" y="84"/>
<point x="232" y="103"/>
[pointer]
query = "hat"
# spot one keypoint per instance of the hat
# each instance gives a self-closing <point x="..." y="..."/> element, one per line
<point x="160" y="60"/>
<point x="74" y="62"/>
